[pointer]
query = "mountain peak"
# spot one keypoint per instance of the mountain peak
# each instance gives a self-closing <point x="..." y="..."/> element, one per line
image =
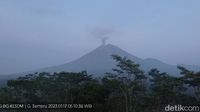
<point x="99" y="61"/>
<point x="109" y="47"/>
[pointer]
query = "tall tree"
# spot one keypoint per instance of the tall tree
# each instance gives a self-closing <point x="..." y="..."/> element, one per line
<point x="131" y="82"/>
<point x="192" y="79"/>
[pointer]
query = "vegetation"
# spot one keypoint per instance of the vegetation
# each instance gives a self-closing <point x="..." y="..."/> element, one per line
<point x="126" y="89"/>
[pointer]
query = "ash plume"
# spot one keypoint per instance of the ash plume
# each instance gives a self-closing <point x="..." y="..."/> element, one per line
<point x="102" y="33"/>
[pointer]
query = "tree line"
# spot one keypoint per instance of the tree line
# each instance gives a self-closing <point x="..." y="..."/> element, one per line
<point x="126" y="89"/>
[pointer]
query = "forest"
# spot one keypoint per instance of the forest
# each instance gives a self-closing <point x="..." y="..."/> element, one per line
<point x="126" y="89"/>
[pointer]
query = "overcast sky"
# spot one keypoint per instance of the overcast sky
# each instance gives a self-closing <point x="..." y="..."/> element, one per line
<point x="40" y="33"/>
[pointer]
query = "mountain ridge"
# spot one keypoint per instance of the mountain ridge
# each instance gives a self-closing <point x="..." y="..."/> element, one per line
<point x="99" y="61"/>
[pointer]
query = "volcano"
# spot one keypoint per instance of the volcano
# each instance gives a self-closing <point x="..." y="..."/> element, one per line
<point x="99" y="61"/>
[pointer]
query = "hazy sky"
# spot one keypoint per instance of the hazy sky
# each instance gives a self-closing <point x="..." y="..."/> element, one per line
<point x="39" y="33"/>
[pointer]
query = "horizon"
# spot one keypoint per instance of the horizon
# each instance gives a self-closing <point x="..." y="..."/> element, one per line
<point x="38" y="34"/>
<point x="100" y="46"/>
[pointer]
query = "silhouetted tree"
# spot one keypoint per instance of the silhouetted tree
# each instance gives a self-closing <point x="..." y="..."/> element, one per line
<point x="126" y="89"/>
<point x="130" y="80"/>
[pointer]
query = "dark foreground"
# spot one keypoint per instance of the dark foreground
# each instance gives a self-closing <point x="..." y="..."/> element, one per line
<point x="127" y="89"/>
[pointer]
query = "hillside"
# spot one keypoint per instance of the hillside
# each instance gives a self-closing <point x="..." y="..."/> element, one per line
<point x="99" y="61"/>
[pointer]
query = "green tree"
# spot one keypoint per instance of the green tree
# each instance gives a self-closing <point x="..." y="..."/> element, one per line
<point x="130" y="80"/>
<point x="166" y="90"/>
<point x="192" y="79"/>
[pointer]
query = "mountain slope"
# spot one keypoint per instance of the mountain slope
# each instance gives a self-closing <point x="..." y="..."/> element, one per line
<point x="99" y="61"/>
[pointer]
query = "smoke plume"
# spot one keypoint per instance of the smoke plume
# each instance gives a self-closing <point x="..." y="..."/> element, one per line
<point x="102" y="33"/>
